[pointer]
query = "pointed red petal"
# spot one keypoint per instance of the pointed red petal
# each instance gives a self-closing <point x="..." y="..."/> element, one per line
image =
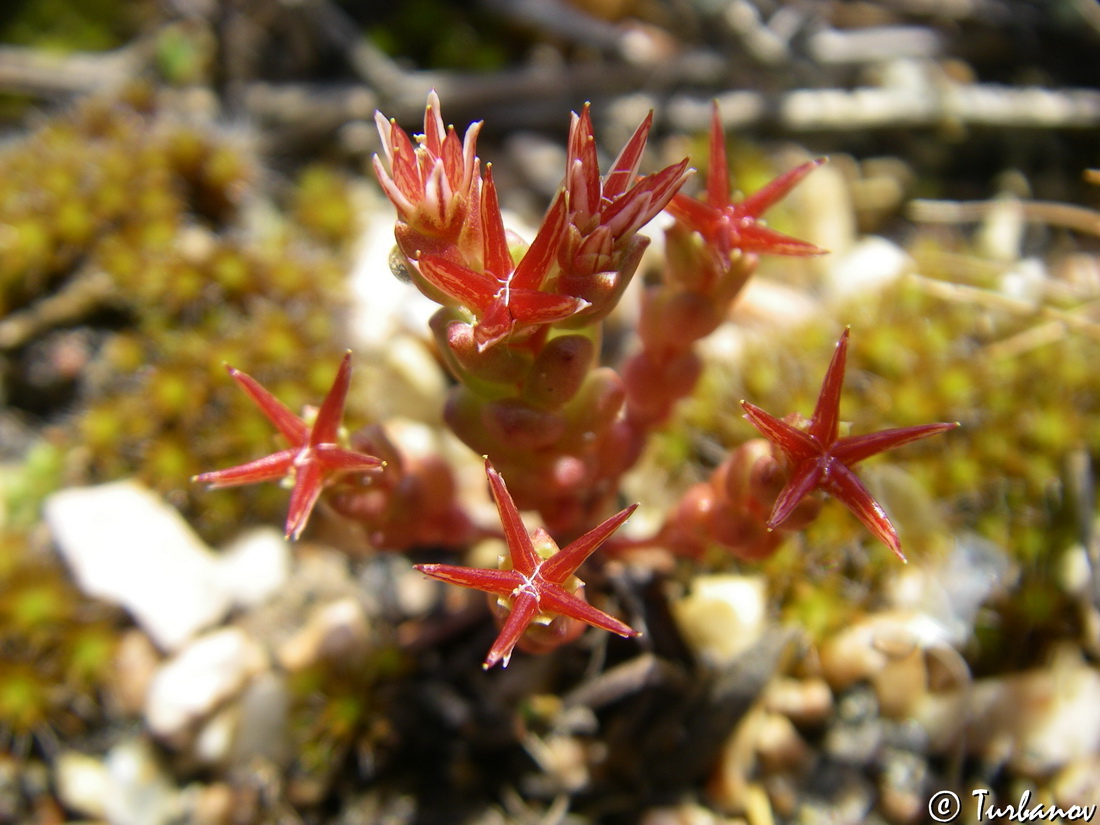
<point x="336" y="458"/>
<point x="718" y="173"/>
<point x="493" y="326"/>
<point x="471" y="289"/>
<point x="556" y="599"/>
<point x="642" y="203"/>
<point x="403" y="165"/>
<point x="845" y="486"/>
<point x="267" y="468"/>
<point x="524" y="558"/>
<point x="626" y="164"/>
<point x="584" y="165"/>
<point x="764" y="199"/>
<point x="565" y="562"/>
<point x="530" y="307"/>
<point x="826" y="417"/>
<point x="540" y="255"/>
<point x="452" y="159"/>
<point x="294" y="429"/>
<point x="327" y="424"/>
<point x="525" y="608"/>
<point x="752" y="237"/>
<point x="500" y="582"/>
<point x="855" y="448"/>
<point x="696" y="215"/>
<point x="498" y="260"/>
<point x="794" y="442"/>
<point x="308" y="481"/>
<point x="433" y="125"/>
<point x="805" y="477"/>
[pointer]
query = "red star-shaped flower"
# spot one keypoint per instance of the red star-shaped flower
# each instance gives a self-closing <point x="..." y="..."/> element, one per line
<point x="506" y="295"/>
<point x="540" y="583"/>
<point x="314" y="456"/>
<point x="728" y="226"/>
<point x="820" y="459"/>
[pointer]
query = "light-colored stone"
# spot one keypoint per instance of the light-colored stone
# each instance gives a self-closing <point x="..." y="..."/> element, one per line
<point x="139" y="792"/>
<point x="125" y="545"/>
<point x="262" y="721"/>
<point x="254" y="566"/>
<point x="722" y="616"/>
<point x="136" y="661"/>
<point x="870" y="265"/>
<point x="192" y="684"/>
<point x="83" y="783"/>
<point x="333" y="631"/>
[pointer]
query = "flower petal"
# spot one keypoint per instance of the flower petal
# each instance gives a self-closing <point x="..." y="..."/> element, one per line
<point x="294" y="429"/>
<point x="845" y="486"/>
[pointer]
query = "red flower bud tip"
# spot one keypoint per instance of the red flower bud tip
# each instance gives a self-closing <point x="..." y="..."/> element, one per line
<point x="537" y="586"/>
<point x="821" y="460"/>
<point x="433" y="183"/>
<point x="620" y="202"/>
<point x="732" y="226"/>
<point x="506" y="295"/>
<point x="314" y="457"/>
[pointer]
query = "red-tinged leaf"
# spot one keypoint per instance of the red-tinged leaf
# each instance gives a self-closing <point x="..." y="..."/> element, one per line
<point x="326" y="426"/>
<point x="500" y="582"/>
<point x="563" y="564"/>
<point x="625" y="167"/>
<point x="268" y="468"/>
<point x="498" y="259"/>
<point x="826" y="417"/>
<point x="525" y="608"/>
<point x="557" y="600"/>
<point x="718" y="174"/>
<point x="532" y="270"/>
<point x="294" y="429"/>
<point x="471" y="289"/>
<point x="522" y="551"/>
<point x="855" y="448"/>
<point x="845" y="486"/>
<point x="308" y="481"/>
<point x="765" y="198"/>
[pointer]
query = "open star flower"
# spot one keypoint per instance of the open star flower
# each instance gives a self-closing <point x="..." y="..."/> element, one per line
<point x="540" y="584"/>
<point x="433" y="184"/>
<point x="506" y="295"/>
<point x="314" y="457"/>
<point x="730" y="226"/>
<point x="819" y="459"/>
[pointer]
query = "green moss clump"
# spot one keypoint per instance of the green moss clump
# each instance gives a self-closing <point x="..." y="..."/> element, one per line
<point x="204" y="266"/>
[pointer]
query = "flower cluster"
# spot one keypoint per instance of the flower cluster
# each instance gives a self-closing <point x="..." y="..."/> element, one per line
<point x="519" y="327"/>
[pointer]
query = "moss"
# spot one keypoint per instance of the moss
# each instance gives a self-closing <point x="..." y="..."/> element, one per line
<point x="155" y="201"/>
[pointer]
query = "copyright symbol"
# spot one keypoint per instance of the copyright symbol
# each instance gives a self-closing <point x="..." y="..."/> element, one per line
<point x="944" y="806"/>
